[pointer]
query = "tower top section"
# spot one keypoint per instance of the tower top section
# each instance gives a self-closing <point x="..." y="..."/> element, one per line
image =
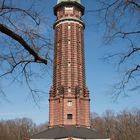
<point x="70" y="3"/>
<point x="59" y="1"/>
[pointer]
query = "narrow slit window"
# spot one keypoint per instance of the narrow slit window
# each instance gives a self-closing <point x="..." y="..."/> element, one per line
<point x="69" y="89"/>
<point x="69" y="64"/>
<point x="69" y="103"/>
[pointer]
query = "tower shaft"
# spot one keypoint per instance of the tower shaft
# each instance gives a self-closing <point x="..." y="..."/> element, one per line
<point x="69" y="97"/>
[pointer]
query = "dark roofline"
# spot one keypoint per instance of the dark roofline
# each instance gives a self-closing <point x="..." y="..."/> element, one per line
<point x="81" y="7"/>
<point x="65" y="132"/>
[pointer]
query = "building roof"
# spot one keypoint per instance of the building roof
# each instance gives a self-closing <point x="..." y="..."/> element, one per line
<point x="65" y="132"/>
<point x="59" y="1"/>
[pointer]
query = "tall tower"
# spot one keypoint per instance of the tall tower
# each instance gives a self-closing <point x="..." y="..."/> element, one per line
<point x="69" y="116"/>
<point x="69" y="96"/>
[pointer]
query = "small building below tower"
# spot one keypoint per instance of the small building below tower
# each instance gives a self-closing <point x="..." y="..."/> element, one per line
<point x="69" y="133"/>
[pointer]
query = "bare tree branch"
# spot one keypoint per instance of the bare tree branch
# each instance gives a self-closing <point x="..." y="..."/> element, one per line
<point x="105" y="8"/>
<point x="121" y="25"/>
<point x="134" y="3"/>
<point x="23" y="45"/>
<point x="8" y="9"/>
<point x="19" y="39"/>
<point x="130" y="72"/>
<point x="132" y="52"/>
<point x="126" y="33"/>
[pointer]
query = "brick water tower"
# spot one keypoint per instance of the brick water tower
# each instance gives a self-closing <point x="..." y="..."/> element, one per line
<point x="69" y="103"/>
<point x="69" y="96"/>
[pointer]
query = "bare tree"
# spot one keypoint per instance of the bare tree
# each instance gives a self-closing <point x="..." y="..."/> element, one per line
<point x="120" y="126"/>
<point x="42" y="127"/>
<point x="97" y="122"/>
<point x="17" y="129"/>
<point x="121" y="21"/>
<point x="23" y="45"/>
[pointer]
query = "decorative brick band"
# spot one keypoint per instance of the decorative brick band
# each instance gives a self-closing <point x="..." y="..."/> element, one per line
<point x="69" y="19"/>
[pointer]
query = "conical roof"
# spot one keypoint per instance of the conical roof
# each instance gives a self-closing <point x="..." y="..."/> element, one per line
<point x="59" y="1"/>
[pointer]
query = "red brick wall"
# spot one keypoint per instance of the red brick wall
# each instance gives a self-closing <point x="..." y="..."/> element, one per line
<point x="69" y="70"/>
